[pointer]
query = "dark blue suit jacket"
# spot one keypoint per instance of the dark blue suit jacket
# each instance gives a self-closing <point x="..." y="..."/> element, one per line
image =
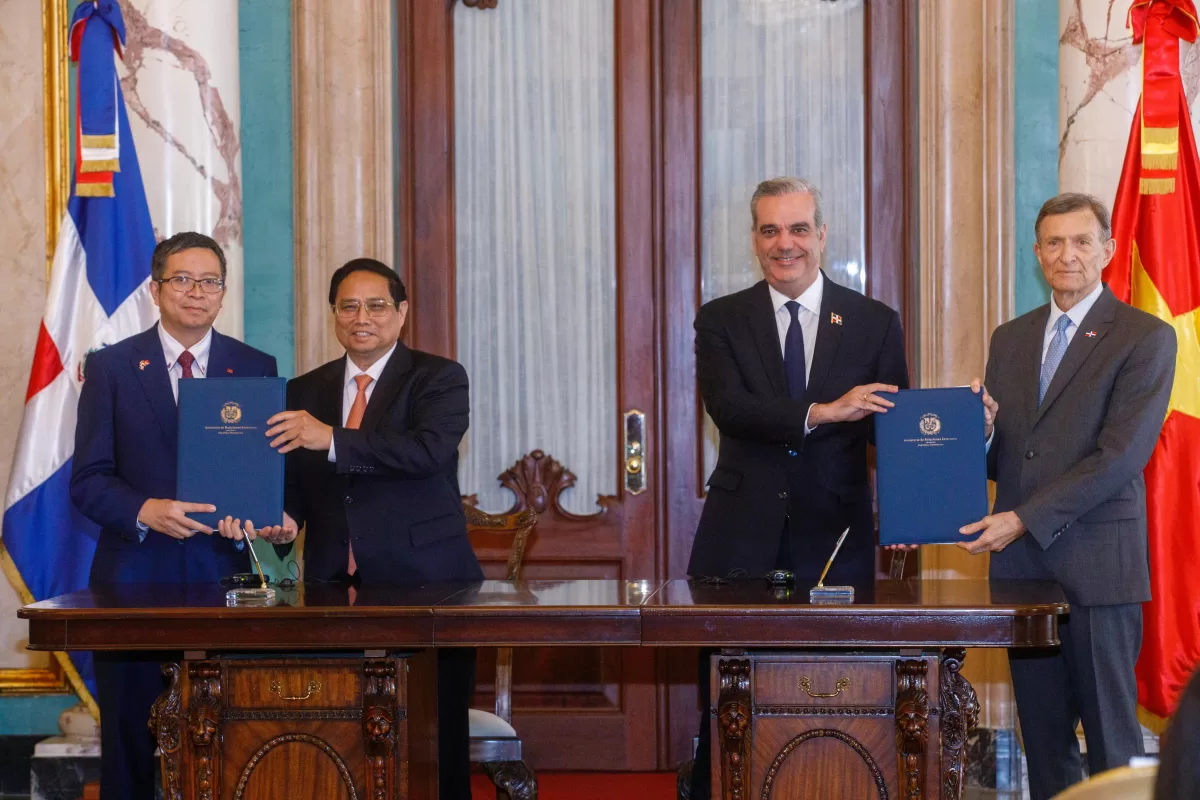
<point x="125" y="453"/>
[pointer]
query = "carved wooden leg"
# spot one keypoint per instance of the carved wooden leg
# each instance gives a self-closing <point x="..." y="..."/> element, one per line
<point x="166" y="722"/>
<point x="959" y="713"/>
<point x="912" y="726"/>
<point x="379" y="724"/>
<point x="733" y="726"/>
<point x="203" y="723"/>
<point x="514" y="778"/>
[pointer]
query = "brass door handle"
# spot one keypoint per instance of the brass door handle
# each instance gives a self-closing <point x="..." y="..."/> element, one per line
<point x="842" y="683"/>
<point x="635" y="451"/>
<point x="314" y="687"/>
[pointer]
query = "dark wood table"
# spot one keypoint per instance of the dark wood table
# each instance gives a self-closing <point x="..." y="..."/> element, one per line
<point x="808" y="700"/>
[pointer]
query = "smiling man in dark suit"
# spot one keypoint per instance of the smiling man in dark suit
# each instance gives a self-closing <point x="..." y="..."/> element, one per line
<point x="1082" y="385"/>
<point x="791" y="371"/>
<point x="123" y="479"/>
<point x="372" y="471"/>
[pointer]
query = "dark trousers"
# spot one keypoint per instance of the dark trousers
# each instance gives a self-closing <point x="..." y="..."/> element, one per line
<point x="126" y="687"/>
<point x="456" y="687"/>
<point x="1089" y="677"/>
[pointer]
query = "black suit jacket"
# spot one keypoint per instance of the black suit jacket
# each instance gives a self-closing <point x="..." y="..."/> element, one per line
<point x="394" y="489"/>
<point x="768" y="472"/>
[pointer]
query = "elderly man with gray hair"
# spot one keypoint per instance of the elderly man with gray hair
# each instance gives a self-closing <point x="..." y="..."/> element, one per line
<point x="791" y="370"/>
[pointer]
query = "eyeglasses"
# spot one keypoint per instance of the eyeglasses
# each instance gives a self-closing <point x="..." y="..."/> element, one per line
<point x="348" y="309"/>
<point x="183" y="283"/>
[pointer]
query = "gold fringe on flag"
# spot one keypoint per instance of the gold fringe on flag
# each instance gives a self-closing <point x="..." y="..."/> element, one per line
<point x="114" y="165"/>
<point x="1167" y="161"/>
<point x="1150" y="136"/>
<point x="109" y="140"/>
<point x="106" y="189"/>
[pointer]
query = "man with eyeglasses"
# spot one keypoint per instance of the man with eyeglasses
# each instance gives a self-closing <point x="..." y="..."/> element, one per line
<point x="123" y="479"/>
<point x="372" y="472"/>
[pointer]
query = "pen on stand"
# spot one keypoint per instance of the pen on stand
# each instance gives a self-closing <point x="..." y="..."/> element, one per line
<point x="829" y="563"/>
<point x="263" y="578"/>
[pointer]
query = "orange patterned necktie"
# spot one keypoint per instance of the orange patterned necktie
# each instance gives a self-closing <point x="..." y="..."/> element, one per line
<point x="352" y="422"/>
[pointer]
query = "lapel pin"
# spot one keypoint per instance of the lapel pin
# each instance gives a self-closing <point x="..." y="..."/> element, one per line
<point x="229" y="370"/>
<point x="835" y="319"/>
<point x="1090" y="334"/>
<point x="143" y="364"/>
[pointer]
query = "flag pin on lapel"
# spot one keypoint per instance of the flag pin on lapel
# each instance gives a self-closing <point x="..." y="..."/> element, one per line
<point x="835" y="319"/>
<point x="1090" y="334"/>
<point x="143" y="364"/>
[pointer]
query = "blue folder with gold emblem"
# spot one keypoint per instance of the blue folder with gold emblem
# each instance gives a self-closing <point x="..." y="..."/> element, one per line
<point x="225" y="457"/>
<point x="931" y="466"/>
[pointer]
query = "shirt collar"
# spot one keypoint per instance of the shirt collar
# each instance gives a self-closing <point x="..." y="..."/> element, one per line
<point x="1077" y="312"/>
<point x="375" y="370"/>
<point x="809" y="300"/>
<point x="172" y="348"/>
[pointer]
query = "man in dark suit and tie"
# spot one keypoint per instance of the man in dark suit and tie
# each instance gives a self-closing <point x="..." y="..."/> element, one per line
<point x="373" y="440"/>
<point x="123" y="479"/>
<point x="791" y="371"/>
<point x="1082" y="385"/>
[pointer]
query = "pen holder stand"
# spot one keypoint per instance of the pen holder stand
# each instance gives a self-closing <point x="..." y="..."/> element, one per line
<point x="257" y="596"/>
<point x="831" y="595"/>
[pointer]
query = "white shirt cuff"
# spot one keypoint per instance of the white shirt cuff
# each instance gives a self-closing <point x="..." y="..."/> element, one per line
<point x="807" y="428"/>
<point x="987" y="448"/>
<point x="332" y="450"/>
<point x="142" y="529"/>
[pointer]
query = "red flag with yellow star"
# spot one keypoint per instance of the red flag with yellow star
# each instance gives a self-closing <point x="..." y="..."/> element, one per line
<point x="1156" y="222"/>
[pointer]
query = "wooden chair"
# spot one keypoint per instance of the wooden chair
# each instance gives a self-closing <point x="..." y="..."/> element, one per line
<point x="1123" y="783"/>
<point x="495" y="745"/>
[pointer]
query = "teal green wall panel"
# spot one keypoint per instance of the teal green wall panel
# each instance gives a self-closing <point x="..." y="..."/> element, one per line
<point x="1035" y="138"/>
<point x="33" y="715"/>
<point x="265" y="46"/>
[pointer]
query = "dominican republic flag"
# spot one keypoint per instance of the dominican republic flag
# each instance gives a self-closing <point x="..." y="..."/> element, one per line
<point x="98" y="295"/>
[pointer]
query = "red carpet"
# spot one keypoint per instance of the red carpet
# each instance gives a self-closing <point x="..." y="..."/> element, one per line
<point x="590" y="786"/>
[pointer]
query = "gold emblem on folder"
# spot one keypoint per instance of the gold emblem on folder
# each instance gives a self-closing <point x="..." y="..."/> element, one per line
<point x="231" y="413"/>
<point x="930" y="424"/>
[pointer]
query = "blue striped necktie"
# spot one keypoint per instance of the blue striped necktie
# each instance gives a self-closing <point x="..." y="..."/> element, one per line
<point x="1054" y="355"/>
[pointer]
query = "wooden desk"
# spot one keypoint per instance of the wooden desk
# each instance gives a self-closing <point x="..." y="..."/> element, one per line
<point x="842" y="693"/>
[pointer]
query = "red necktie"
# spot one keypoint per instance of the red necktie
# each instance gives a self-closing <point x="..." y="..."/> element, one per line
<point x="185" y="361"/>
<point x="352" y="422"/>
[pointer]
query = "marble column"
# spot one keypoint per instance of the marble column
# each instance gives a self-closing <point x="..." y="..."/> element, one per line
<point x="343" y="111"/>
<point x="180" y="76"/>
<point x="965" y="122"/>
<point x="1100" y="73"/>
<point x="22" y="262"/>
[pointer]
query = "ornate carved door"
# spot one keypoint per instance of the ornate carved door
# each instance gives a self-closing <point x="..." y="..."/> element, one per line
<point x="557" y="180"/>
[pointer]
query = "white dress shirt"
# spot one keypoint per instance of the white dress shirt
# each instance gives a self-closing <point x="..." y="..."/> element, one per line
<point x="172" y="350"/>
<point x="350" y="387"/>
<point x="809" y="317"/>
<point x="1076" y="315"/>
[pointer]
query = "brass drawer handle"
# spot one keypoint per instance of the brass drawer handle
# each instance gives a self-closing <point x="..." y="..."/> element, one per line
<point x="842" y="683"/>
<point x="314" y="687"/>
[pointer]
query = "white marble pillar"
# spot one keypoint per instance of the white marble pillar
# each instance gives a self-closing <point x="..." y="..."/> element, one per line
<point x="180" y="78"/>
<point x="1099" y="73"/>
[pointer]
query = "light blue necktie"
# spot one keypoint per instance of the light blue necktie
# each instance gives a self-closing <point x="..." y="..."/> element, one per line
<point x="1058" y="346"/>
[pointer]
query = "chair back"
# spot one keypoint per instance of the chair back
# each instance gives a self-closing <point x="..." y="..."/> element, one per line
<point x="1123" y="783"/>
<point x="520" y="524"/>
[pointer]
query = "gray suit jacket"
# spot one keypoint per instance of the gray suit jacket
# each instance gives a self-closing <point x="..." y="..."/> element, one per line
<point x="1072" y="469"/>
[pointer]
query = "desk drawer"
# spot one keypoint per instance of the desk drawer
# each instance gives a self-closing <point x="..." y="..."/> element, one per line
<point x="295" y="685"/>
<point x="819" y="682"/>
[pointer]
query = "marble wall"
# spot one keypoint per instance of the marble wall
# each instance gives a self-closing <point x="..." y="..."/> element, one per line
<point x="1099" y="85"/>
<point x="181" y="82"/>
<point x="22" y="257"/>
